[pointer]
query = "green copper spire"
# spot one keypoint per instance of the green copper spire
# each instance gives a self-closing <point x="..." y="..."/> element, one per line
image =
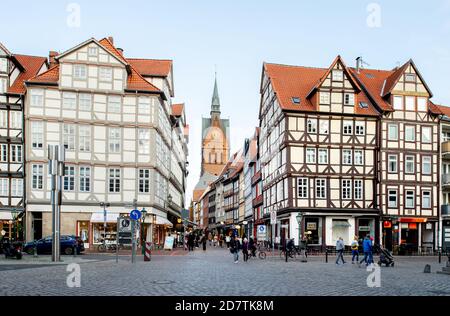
<point x="215" y="104"/>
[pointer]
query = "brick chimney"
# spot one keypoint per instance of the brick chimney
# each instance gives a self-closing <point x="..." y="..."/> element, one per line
<point x="111" y="39"/>
<point x="51" y="58"/>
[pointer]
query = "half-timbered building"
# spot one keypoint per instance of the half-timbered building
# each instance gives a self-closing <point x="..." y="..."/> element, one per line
<point x="318" y="152"/>
<point x="14" y="70"/>
<point x="124" y="141"/>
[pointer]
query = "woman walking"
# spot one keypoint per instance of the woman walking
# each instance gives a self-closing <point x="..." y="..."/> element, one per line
<point x="245" y="249"/>
<point x="234" y="248"/>
<point x="355" y="250"/>
<point x="204" y="242"/>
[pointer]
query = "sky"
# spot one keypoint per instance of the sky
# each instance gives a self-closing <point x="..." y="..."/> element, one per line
<point x="235" y="37"/>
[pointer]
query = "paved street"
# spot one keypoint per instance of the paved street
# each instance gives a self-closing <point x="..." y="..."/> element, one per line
<point x="214" y="273"/>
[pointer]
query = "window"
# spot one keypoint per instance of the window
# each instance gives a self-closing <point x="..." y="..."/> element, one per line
<point x="16" y="153"/>
<point x="85" y="179"/>
<point x="410" y="133"/>
<point x="392" y="198"/>
<point x="144" y="105"/>
<point x="105" y="74"/>
<point x="312" y="126"/>
<point x="349" y="98"/>
<point x="321" y="188"/>
<point x="3" y="65"/>
<point x="410" y="164"/>
<point x="409" y="199"/>
<point x="3" y="85"/>
<point x="348" y="128"/>
<point x="360" y="128"/>
<point x="3" y="118"/>
<point x="359" y="159"/>
<point x="17" y="187"/>
<point x="324" y="127"/>
<point x="37" y="135"/>
<point x="346" y="189"/>
<point x="79" y="71"/>
<point x="338" y="75"/>
<point x="296" y="100"/>
<point x="92" y="51"/>
<point x="311" y="155"/>
<point x="69" y="178"/>
<point x="392" y="163"/>
<point x="4" y="187"/>
<point x="85" y="138"/>
<point x="114" y="180"/>
<point x="3" y="152"/>
<point x="422" y="104"/>
<point x="426" y="199"/>
<point x="114" y="104"/>
<point x="426" y="134"/>
<point x="85" y="102"/>
<point x="358" y="189"/>
<point x="144" y="181"/>
<point x="426" y="165"/>
<point x="114" y="140"/>
<point x="324" y="98"/>
<point x="323" y="156"/>
<point x="398" y="102"/>
<point x="37" y="172"/>
<point x="69" y="137"/>
<point x="303" y="188"/>
<point x="410" y="77"/>
<point x="144" y="141"/>
<point x="37" y="97"/>
<point x="16" y="119"/>
<point x="409" y="104"/>
<point x="392" y="132"/>
<point x="69" y="100"/>
<point x="347" y="156"/>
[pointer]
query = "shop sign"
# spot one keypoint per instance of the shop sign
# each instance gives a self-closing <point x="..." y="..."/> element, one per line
<point x="262" y="232"/>
<point x="311" y="226"/>
<point x="124" y="231"/>
<point x="168" y="243"/>
<point x="387" y="224"/>
<point x="273" y="217"/>
<point x="364" y="228"/>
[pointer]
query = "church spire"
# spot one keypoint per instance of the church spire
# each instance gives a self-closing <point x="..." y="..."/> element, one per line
<point x="215" y="103"/>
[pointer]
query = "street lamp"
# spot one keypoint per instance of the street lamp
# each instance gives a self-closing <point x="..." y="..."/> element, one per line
<point x="299" y="218"/>
<point x="104" y="205"/>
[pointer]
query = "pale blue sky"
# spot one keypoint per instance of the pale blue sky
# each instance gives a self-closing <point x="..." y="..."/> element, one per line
<point x="238" y="36"/>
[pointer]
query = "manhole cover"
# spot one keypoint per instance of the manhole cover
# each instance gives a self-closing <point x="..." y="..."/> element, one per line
<point x="162" y="282"/>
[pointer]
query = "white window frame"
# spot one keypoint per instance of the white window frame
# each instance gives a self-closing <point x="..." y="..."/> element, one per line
<point x="323" y="156"/>
<point x="390" y="203"/>
<point x="93" y="51"/>
<point x="408" y="129"/>
<point x="426" y="205"/>
<point x="115" y="139"/>
<point x="347" y="158"/>
<point x="360" y="128"/>
<point x="426" y="140"/>
<point x="324" y="127"/>
<point x="410" y="103"/>
<point x="422" y="104"/>
<point x="37" y="134"/>
<point x="144" y="105"/>
<point x="16" y="153"/>
<point x="410" y="199"/>
<point x="79" y="72"/>
<point x="85" y="178"/>
<point x="3" y="152"/>
<point x="303" y="188"/>
<point x="392" y="165"/>
<point x="391" y="128"/>
<point x="37" y="97"/>
<point x="16" y="120"/>
<point x="324" y="98"/>
<point x="311" y="155"/>
<point x="358" y="190"/>
<point x="3" y="64"/>
<point x="69" y="137"/>
<point x="410" y="161"/>
<point x="4" y="118"/>
<point x="398" y="102"/>
<point x="105" y="74"/>
<point x="3" y="85"/>
<point x="346" y="189"/>
<point x="349" y="98"/>
<point x="427" y="161"/>
<point x="114" y="177"/>
<point x="4" y="187"/>
<point x="337" y="75"/>
<point x="84" y="138"/>
<point x="347" y="127"/>
<point x="114" y="104"/>
<point x="69" y="100"/>
<point x="144" y="141"/>
<point x="321" y="189"/>
<point x="85" y="102"/>
<point x="17" y="187"/>
<point x="311" y="126"/>
<point x="69" y="178"/>
<point x="37" y="179"/>
<point x="144" y="180"/>
<point x="358" y="157"/>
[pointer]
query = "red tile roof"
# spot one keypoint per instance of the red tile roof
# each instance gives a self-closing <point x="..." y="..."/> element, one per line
<point x="392" y="80"/>
<point x="138" y="83"/>
<point x="442" y="109"/>
<point x="177" y="109"/>
<point x="31" y="65"/>
<point x="298" y="81"/>
<point x="106" y="43"/>
<point x="49" y="76"/>
<point x="152" y="67"/>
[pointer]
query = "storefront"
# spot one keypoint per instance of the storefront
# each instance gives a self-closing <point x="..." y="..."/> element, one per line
<point x="155" y="229"/>
<point x="100" y="232"/>
<point x="10" y="228"/>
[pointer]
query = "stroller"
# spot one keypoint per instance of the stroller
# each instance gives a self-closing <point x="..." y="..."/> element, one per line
<point x="385" y="257"/>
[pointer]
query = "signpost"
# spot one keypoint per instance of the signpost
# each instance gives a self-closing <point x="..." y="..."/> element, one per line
<point x="262" y="232"/>
<point x="273" y="221"/>
<point x="123" y="233"/>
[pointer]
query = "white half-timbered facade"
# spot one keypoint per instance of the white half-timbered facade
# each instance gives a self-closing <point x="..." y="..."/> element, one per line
<point x="14" y="70"/>
<point x="122" y="142"/>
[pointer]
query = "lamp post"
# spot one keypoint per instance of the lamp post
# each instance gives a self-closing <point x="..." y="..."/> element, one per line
<point x="299" y="218"/>
<point x="144" y="214"/>
<point x="104" y="205"/>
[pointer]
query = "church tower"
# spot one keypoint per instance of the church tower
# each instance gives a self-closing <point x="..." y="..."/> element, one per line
<point x="215" y="144"/>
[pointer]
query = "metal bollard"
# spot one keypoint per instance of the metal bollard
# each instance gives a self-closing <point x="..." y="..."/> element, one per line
<point x="35" y="251"/>
<point x="326" y="255"/>
<point x="74" y="251"/>
<point x="440" y="256"/>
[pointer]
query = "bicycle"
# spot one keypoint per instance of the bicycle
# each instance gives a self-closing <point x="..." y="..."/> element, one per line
<point x="292" y="253"/>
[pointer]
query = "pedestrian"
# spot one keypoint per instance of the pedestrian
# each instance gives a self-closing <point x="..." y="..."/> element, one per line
<point x="367" y="248"/>
<point x="245" y="249"/>
<point x="191" y="241"/>
<point x="234" y="248"/>
<point x="204" y="242"/>
<point x="221" y="241"/>
<point x="228" y="240"/>
<point x="210" y="239"/>
<point x="355" y="250"/>
<point x="215" y="241"/>
<point x="252" y="247"/>
<point x="340" y="250"/>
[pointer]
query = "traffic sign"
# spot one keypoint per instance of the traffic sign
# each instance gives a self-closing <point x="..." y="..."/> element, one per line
<point x="262" y="232"/>
<point x="135" y="215"/>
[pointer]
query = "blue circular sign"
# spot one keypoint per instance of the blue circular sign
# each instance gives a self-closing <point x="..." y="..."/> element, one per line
<point x="135" y="215"/>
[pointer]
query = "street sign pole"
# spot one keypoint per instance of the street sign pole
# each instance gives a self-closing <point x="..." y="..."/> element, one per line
<point x="117" y="240"/>
<point x="133" y="241"/>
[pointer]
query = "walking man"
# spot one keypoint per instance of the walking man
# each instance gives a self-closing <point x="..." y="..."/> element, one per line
<point x="367" y="248"/>
<point x="355" y="250"/>
<point x="245" y="249"/>
<point x="234" y="248"/>
<point x="340" y="250"/>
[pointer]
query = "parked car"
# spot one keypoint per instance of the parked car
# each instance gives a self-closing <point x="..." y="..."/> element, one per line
<point x="44" y="246"/>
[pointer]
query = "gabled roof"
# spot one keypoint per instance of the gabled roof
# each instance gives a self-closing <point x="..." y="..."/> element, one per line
<point x="152" y="67"/>
<point x="298" y="81"/>
<point x="31" y="66"/>
<point x="5" y="49"/>
<point x="439" y="109"/>
<point x="177" y="109"/>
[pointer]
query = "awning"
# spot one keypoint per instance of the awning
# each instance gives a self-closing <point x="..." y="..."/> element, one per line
<point x="412" y="220"/>
<point x="5" y="215"/>
<point x="159" y="221"/>
<point x="110" y="217"/>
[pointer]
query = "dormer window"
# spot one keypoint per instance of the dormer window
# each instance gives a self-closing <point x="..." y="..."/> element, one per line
<point x="296" y="100"/>
<point x="410" y="77"/>
<point x="363" y="105"/>
<point x="79" y="71"/>
<point x="338" y="75"/>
